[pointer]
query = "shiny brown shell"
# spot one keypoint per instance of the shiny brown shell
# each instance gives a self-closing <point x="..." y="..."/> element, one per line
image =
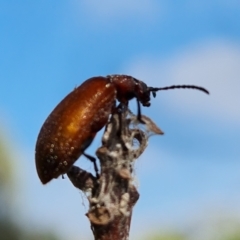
<point x="72" y="126"/>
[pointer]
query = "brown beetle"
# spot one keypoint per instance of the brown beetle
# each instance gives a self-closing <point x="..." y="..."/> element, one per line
<point x="73" y="124"/>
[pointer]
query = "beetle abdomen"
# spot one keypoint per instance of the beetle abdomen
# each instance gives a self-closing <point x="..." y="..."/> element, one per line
<point x="72" y="126"/>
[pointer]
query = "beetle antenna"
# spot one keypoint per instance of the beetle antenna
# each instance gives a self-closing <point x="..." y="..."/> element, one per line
<point x="154" y="90"/>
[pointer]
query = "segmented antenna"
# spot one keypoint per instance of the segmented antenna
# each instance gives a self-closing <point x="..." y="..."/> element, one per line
<point x="154" y="90"/>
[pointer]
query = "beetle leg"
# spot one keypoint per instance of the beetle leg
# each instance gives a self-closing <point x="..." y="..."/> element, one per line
<point x="120" y="109"/>
<point x="93" y="160"/>
<point x="139" y="115"/>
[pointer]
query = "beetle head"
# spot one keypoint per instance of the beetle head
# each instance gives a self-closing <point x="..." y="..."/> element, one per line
<point x="143" y="93"/>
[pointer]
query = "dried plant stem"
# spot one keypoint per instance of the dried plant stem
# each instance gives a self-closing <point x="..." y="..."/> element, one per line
<point x="113" y="195"/>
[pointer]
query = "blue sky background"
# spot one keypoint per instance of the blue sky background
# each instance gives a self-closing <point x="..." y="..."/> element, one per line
<point x="190" y="177"/>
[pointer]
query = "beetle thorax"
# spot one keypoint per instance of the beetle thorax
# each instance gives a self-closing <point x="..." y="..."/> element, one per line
<point x="125" y="86"/>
